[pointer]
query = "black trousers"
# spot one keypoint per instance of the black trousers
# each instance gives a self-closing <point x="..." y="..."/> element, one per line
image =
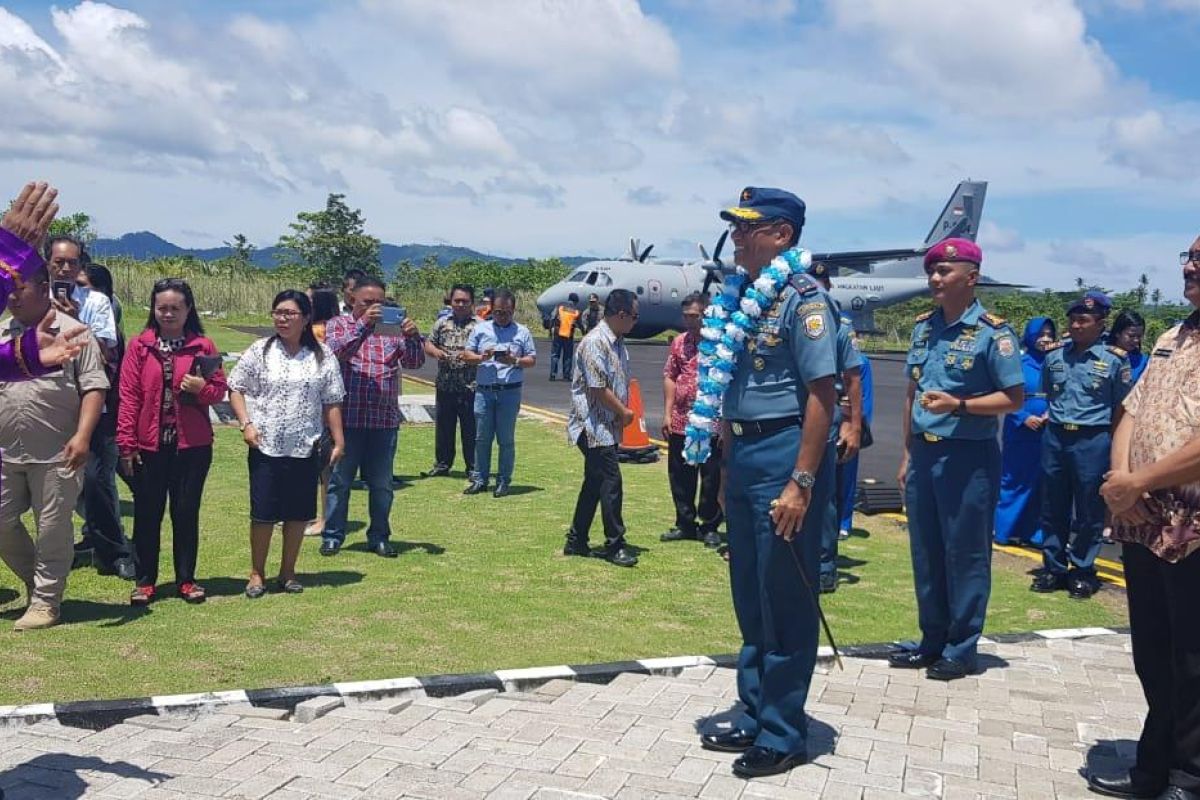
<point x="451" y="408"/>
<point x="100" y="502"/>
<point x="177" y="476"/>
<point x="601" y="486"/>
<point x="1163" y="603"/>
<point x="684" y="478"/>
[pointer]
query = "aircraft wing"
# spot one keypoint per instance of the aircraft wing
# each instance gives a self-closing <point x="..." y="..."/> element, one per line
<point x="863" y="260"/>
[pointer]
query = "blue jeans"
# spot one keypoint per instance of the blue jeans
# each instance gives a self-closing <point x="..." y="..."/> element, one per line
<point x="375" y="450"/>
<point x="564" y="349"/>
<point x="496" y="417"/>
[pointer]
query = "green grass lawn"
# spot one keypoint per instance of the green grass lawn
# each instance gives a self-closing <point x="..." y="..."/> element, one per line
<point x="480" y="585"/>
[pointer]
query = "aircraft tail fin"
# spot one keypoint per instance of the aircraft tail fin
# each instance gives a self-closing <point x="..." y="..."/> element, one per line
<point x="962" y="214"/>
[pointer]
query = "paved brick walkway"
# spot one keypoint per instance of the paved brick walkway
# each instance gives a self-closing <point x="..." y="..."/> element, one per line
<point x="1023" y="729"/>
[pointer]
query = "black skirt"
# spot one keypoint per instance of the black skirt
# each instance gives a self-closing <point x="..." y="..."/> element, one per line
<point x="282" y="489"/>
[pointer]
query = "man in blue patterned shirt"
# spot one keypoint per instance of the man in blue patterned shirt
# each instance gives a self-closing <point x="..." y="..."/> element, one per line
<point x="599" y="394"/>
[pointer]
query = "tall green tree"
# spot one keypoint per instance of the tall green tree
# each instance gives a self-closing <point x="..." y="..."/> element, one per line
<point x="329" y="242"/>
<point x="78" y="225"/>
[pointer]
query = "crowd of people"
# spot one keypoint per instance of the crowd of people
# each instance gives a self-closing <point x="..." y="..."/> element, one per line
<point x="1112" y="432"/>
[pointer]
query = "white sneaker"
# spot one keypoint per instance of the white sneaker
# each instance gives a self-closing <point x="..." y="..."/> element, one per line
<point x="843" y="535"/>
<point x="36" y="617"/>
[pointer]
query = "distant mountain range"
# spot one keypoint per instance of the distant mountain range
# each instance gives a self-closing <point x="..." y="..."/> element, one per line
<point x="145" y="245"/>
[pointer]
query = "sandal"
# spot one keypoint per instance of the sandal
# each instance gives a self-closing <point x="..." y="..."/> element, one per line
<point x="141" y="595"/>
<point x="192" y="592"/>
<point x="290" y="586"/>
<point x="255" y="590"/>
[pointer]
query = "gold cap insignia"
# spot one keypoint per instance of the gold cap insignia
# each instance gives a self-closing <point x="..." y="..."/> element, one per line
<point x="951" y="251"/>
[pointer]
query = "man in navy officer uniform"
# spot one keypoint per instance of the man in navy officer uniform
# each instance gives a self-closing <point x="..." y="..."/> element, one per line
<point x="846" y="431"/>
<point x="964" y="370"/>
<point x="778" y="479"/>
<point x="1085" y="381"/>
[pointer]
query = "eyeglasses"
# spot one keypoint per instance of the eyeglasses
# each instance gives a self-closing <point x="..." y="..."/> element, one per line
<point x="1189" y="257"/>
<point x="285" y="313"/>
<point x="744" y="226"/>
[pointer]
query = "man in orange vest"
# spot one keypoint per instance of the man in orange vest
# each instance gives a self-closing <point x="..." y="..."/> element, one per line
<point x="563" y="323"/>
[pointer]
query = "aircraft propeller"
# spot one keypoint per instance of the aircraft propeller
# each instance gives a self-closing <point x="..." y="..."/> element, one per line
<point x="713" y="267"/>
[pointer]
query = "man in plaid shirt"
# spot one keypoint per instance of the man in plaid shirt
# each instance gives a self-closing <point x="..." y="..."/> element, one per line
<point x="371" y="365"/>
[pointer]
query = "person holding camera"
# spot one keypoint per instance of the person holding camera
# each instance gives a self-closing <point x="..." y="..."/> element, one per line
<point x="170" y="376"/>
<point x="503" y="349"/>
<point x="372" y="343"/>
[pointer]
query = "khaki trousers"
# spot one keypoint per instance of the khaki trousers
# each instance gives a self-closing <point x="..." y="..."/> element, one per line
<point x="50" y="491"/>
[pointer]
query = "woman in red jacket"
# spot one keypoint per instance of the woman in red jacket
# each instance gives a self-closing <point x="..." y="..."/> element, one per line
<point x="170" y="376"/>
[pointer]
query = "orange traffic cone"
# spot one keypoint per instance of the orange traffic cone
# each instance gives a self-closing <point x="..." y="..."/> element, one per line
<point x="635" y="440"/>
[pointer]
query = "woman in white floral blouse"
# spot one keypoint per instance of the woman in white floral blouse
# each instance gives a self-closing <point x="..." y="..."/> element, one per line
<point x="285" y="390"/>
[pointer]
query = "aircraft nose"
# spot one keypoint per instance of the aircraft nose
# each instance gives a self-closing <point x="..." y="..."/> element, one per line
<point x="547" y="301"/>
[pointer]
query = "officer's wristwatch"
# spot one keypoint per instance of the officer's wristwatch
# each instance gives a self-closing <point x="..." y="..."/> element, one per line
<point x="803" y="479"/>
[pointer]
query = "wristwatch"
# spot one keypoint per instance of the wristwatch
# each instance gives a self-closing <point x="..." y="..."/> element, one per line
<point x="803" y="479"/>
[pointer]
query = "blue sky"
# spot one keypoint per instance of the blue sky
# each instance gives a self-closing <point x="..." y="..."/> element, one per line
<point x="539" y="127"/>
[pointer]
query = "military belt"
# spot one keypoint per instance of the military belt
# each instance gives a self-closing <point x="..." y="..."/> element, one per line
<point x="1072" y="427"/>
<point x="761" y="427"/>
<point x="498" y="387"/>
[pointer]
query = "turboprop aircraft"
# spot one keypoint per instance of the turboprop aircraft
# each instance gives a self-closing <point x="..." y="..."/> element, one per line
<point x="660" y="284"/>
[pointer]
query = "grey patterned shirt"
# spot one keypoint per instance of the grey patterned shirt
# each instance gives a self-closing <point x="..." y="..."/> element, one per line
<point x="600" y="362"/>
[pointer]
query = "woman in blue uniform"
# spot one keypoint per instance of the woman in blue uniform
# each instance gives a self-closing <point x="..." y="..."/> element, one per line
<point x="1019" y="509"/>
<point x="1127" y="331"/>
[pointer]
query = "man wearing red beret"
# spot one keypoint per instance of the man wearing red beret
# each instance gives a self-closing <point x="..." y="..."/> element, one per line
<point x="964" y="370"/>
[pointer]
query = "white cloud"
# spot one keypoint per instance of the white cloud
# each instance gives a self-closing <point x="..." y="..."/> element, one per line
<point x="560" y="51"/>
<point x="1018" y="58"/>
<point x="1154" y="147"/>
<point x="995" y="239"/>
<point x="646" y="196"/>
<point x="756" y="10"/>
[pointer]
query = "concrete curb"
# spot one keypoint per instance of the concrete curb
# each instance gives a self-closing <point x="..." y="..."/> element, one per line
<point x="100" y="714"/>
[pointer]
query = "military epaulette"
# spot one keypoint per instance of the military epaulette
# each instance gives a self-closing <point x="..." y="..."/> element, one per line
<point x="843" y="319"/>
<point x="1117" y="351"/>
<point x="992" y="321"/>
<point x="1054" y="346"/>
<point x="923" y="316"/>
<point x="804" y="284"/>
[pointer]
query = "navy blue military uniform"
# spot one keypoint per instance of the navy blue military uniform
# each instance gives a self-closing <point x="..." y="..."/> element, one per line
<point x="953" y="478"/>
<point x="775" y="611"/>
<point x="848" y="358"/>
<point x="1084" y="389"/>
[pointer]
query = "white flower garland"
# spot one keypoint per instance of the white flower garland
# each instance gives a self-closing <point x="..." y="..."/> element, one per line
<point x="729" y="322"/>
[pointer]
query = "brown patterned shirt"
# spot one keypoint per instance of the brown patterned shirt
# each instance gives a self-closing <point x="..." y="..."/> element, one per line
<point x="1165" y="406"/>
<point x="454" y="374"/>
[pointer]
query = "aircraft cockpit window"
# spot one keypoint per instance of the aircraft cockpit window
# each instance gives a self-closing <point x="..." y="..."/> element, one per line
<point x="603" y="279"/>
<point x="591" y="279"/>
<point x="577" y="277"/>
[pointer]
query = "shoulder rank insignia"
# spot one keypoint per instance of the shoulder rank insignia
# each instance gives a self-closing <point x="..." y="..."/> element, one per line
<point x="992" y="320"/>
<point x="1117" y="351"/>
<point x="924" y="316"/>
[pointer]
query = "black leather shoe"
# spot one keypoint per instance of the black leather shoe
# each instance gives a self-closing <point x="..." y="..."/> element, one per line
<point x="1047" y="582"/>
<point x="575" y="549"/>
<point x="1123" y="786"/>
<point x="552" y="378"/>
<point x="947" y="669"/>
<point x="828" y="582"/>
<point x="475" y="487"/>
<point x="911" y="659"/>
<point x="621" y="558"/>
<point x="501" y="490"/>
<point x="759" y="762"/>
<point x="437" y="470"/>
<point x="1170" y="793"/>
<point x="1081" y="586"/>
<point x="676" y="535"/>
<point x="330" y="547"/>
<point x="712" y="540"/>
<point x="125" y="569"/>
<point x="384" y="549"/>
<point x="731" y="741"/>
